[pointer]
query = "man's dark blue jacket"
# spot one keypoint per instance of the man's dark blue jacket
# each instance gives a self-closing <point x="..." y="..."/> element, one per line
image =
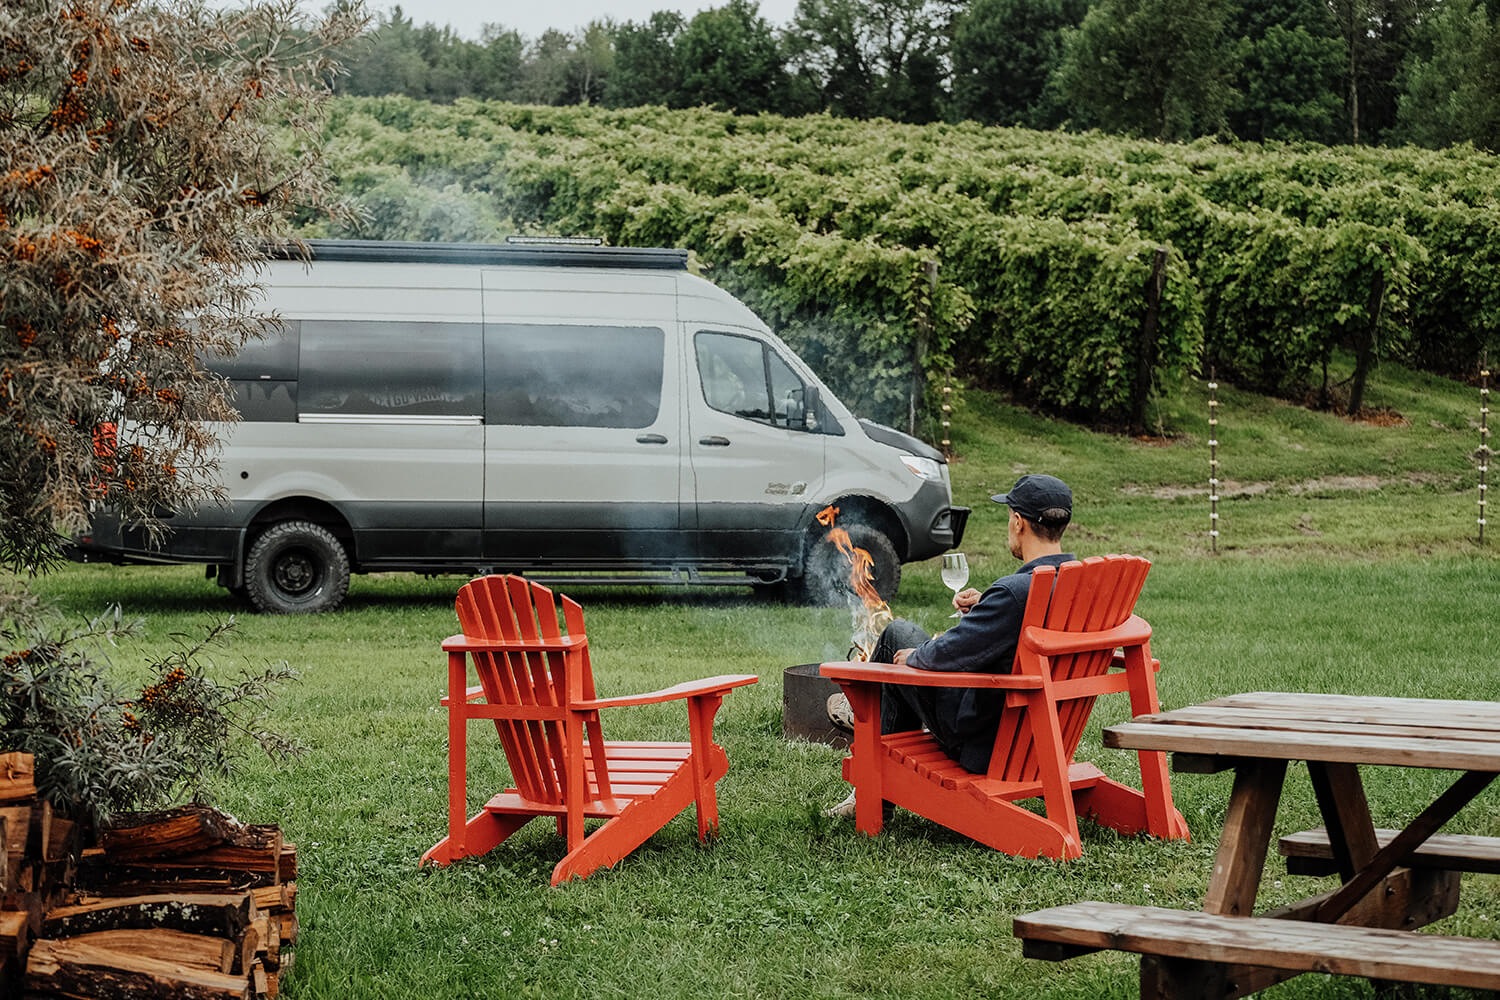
<point x="982" y="642"/>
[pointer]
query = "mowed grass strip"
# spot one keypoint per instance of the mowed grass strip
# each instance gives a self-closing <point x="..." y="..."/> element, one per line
<point x="1392" y="597"/>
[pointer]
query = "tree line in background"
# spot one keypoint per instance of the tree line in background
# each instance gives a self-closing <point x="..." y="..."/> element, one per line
<point x="1374" y="72"/>
<point x="1045" y="243"/>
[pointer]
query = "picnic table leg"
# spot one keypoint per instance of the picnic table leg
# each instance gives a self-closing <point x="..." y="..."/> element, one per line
<point x="1431" y="819"/>
<point x="1182" y="979"/>
<point x="1247" y="836"/>
<point x="1346" y="815"/>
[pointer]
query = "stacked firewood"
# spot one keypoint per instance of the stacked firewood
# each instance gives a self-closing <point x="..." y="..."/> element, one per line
<point x="183" y="903"/>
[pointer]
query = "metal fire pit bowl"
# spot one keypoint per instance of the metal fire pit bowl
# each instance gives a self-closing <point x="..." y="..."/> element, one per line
<point x="804" y="707"/>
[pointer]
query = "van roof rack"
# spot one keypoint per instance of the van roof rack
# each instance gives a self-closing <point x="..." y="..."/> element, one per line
<point x="548" y="251"/>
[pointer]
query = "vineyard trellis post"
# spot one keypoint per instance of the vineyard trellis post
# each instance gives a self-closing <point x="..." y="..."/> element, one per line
<point x="919" y="346"/>
<point x="1484" y="436"/>
<point x="1213" y="461"/>
<point x="1145" y="353"/>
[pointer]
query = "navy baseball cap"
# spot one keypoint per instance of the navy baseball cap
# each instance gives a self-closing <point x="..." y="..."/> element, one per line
<point x="1033" y="494"/>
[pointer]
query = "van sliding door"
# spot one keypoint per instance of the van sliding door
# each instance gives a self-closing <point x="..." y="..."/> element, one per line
<point x="582" y="442"/>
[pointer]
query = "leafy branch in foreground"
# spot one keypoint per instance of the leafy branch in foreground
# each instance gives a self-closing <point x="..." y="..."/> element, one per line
<point x="100" y="749"/>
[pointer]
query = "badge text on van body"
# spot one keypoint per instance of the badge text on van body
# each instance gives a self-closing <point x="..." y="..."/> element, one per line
<point x="782" y="489"/>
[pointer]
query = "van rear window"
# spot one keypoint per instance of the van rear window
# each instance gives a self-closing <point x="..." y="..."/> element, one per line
<point x="573" y="376"/>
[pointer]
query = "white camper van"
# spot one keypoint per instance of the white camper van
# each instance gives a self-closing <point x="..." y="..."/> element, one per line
<point x="572" y="412"/>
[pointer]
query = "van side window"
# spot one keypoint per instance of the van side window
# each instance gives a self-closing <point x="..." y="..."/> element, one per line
<point x="744" y="377"/>
<point x="262" y="374"/>
<point x="391" y="368"/>
<point x="573" y="376"/>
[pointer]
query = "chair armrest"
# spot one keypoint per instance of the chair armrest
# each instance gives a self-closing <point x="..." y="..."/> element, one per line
<point x="1051" y="642"/>
<point x="890" y="673"/>
<point x="687" y="689"/>
<point x="469" y="644"/>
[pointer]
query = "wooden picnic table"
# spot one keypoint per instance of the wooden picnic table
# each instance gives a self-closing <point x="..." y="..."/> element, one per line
<point x="1392" y="881"/>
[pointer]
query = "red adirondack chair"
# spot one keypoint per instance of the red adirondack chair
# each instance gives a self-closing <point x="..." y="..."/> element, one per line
<point x="537" y="685"/>
<point x="1076" y="618"/>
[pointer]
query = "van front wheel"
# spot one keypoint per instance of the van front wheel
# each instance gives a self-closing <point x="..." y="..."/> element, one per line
<point x="296" y="567"/>
<point x="825" y="574"/>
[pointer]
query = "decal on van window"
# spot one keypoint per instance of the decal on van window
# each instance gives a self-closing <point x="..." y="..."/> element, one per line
<point x="573" y="376"/>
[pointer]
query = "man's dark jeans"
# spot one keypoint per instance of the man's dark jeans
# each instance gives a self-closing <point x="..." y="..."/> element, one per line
<point x="903" y="707"/>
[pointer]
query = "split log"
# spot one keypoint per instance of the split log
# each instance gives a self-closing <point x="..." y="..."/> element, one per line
<point x="73" y="968"/>
<point x="226" y="914"/>
<point x="289" y="928"/>
<point x="105" y="879"/>
<point x="166" y="832"/>
<point x="39" y="831"/>
<point x="201" y="951"/>
<point x="15" y="931"/>
<point x="288" y="862"/>
<point x="62" y="840"/>
<point x="17" y="776"/>
<point x="273" y="898"/>
<point x="259" y="981"/>
<point x="244" y="956"/>
<point x="17" y="822"/>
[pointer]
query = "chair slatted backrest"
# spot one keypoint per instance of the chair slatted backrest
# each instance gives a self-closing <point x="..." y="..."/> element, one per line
<point x="1096" y="594"/>
<point x="512" y="609"/>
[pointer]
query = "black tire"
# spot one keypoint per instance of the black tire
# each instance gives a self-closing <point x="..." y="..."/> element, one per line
<point x="296" y="567"/>
<point x="825" y="574"/>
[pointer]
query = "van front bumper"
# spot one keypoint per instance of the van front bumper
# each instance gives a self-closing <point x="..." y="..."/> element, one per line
<point x="933" y="524"/>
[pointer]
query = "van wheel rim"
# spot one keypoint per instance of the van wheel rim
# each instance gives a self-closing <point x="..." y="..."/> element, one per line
<point x="295" y="573"/>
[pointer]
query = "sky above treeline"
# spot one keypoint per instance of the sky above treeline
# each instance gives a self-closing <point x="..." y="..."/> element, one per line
<point x="468" y="17"/>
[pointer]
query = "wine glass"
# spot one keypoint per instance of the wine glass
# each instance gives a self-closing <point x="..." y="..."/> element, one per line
<point x="955" y="574"/>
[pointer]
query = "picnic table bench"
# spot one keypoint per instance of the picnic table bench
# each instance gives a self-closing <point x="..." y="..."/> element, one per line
<point x="1392" y="882"/>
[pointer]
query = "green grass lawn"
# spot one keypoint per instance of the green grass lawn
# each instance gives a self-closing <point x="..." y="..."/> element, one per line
<point x="1348" y="565"/>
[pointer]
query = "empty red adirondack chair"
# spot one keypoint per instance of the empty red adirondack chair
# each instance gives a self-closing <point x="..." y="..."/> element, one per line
<point x="537" y="685"/>
<point x="1076" y="617"/>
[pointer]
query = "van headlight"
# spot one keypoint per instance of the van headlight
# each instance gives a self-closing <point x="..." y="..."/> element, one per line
<point x="923" y="468"/>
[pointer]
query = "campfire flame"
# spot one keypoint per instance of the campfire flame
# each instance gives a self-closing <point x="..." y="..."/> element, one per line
<point x="873" y="614"/>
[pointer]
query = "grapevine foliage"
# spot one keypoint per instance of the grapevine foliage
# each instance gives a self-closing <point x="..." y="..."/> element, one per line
<point x="1044" y="241"/>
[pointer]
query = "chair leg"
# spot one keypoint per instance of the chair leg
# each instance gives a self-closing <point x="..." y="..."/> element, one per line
<point x="701" y="712"/>
<point x="480" y="835"/>
<point x="1057" y="791"/>
<point x="862" y="767"/>
<point x="624" y="833"/>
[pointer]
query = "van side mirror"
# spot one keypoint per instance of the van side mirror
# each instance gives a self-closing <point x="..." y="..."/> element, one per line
<point x="801" y="409"/>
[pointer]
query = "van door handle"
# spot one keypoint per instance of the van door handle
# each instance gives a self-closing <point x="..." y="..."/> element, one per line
<point x="650" y="439"/>
<point x="715" y="441"/>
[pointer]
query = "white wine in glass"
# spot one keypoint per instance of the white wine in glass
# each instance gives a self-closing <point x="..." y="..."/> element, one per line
<point x="955" y="574"/>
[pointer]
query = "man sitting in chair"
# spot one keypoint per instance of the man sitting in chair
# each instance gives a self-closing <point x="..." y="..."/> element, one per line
<point x="963" y="720"/>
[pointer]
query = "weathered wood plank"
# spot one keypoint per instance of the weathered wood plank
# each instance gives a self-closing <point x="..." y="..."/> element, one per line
<point x="1344" y="747"/>
<point x="1274" y="720"/>
<point x="1486" y="714"/>
<point x="1312" y="855"/>
<point x="1292" y="945"/>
